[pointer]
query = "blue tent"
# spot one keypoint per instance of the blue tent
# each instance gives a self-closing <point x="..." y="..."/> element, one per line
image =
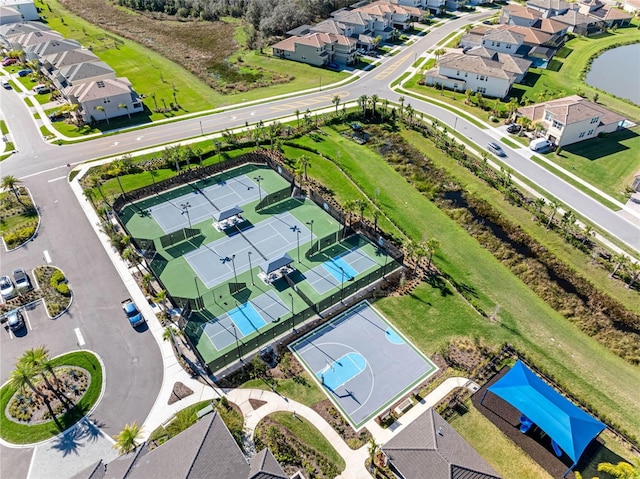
<point x="568" y="425"/>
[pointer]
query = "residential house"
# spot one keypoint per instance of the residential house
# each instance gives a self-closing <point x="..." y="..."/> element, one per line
<point x="572" y="119"/>
<point x="21" y="41"/>
<point x="504" y="41"/>
<point x="430" y="448"/>
<point x="26" y="10"/>
<point x="511" y="64"/>
<point x="471" y="72"/>
<point x="20" y="28"/>
<point x="205" y="449"/>
<point x="609" y="15"/>
<point x="473" y="38"/>
<point x="67" y="58"/>
<point x="520" y="15"/>
<point x="632" y="6"/>
<point x="398" y="16"/>
<point x="317" y="49"/>
<point x="579" y="23"/>
<point x="82" y="73"/>
<point x="536" y="44"/>
<point x="35" y="52"/>
<point x="550" y="8"/>
<point x="9" y="15"/>
<point x="115" y="95"/>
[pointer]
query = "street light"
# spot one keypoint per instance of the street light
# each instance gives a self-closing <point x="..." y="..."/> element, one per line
<point x="235" y="334"/>
<point x="298" y="231"/>
<point x="201" y="130"/>
<point x="250" y="268"/>
<point x="185" y="210"/>
<point x="310" y="223"/>
<point x="293" y="324"/>
<point x="341" y="283"/>
<point x="233" y="263"/>
<point x="259" y="179"/>
<point x="455" y="124"/>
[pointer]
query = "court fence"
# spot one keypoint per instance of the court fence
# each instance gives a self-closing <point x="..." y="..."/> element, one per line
<point x="275" y="197"/>
<point x="178" y="236"/>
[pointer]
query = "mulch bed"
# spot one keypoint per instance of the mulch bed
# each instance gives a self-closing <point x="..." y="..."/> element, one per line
<point x="339" y="424"/>
<point x="256" y="403"/>
<point x="180" y="391"/>
<point x="535" y="443"/>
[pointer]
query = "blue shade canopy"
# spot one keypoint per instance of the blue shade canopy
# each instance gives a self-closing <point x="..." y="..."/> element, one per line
<point x="568" y="425"/>
<point x="276" y="264"/>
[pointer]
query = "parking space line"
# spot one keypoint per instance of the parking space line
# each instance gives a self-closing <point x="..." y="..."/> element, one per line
<point x="57" y="179"/>
<point x="26" y="318"/>
<point x="46" y="256"/>
<point x="79" y="336"/>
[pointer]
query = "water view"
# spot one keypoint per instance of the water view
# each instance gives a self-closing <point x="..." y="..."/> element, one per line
<point x="617" y="71"/>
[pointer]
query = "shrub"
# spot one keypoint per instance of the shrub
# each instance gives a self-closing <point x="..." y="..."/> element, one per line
<point x="63" y="289"/>
<point x="16" y="238"/>
<point x="56" y="278"/>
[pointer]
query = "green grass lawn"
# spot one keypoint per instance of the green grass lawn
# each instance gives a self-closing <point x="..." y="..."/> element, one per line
<point x="585" y="367"/>
<point x="23" y="434"/>
<point x="303" y="391"/>
<point x="308" y="434"/>
<point x="608" y="163"/>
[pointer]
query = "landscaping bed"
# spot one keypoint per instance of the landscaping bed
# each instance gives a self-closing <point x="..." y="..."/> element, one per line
<point x="81" y="392"/>
<point x="54" y="289"/>
<point x="19" y="217"/>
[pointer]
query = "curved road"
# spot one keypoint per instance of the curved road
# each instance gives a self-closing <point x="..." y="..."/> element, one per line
<point x="133" y="362"/>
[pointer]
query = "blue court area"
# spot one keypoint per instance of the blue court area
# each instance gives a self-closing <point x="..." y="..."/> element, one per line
<point x="339" y="269"/>
<point x="362" y="362"/>
<point x="246" y="318"/>
<point x="341" y="371"/>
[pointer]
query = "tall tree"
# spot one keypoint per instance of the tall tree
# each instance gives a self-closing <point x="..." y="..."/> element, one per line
<point x="620" y="260"/>
<point x="126" y="108"/>
<point x="127" y="440"/>
<point x="101" y="108"/>
<point x="372" y="448"/>
<point x="554" y="208"/>
<point x="304" y="162"/>
<point x="374" y="102"/>
<point x="401" y="100"/>
<point x="633" y="269"/>
<point x="12" y="183"/>
<point x="336" y="101"/>
<point x="22" y="377"/>
<point x="362" y="103"/>
<point x="430" y="246"/>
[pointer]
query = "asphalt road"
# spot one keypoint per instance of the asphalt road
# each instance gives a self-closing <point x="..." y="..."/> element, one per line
<point x="132" y="359"/>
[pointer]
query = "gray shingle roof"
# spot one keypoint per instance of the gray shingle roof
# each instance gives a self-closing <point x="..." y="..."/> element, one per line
<point x="265" y="466"/>
<point x="82" y="71"/>
<point x="430" y="447"/>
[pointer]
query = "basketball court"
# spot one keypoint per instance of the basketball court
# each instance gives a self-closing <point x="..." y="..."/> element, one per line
<point x="362" y="363"/>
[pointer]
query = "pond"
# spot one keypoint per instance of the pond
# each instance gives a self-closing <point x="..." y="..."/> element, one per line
<point x="617" y="71"/>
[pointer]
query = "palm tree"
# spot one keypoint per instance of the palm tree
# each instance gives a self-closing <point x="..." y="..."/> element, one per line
<point x="622" y="470"/>
<point x="275" y="128"/>
<point x="304" y="162"/>
<point x="538" y="204"/>
<point x="362" y="103"/>
<point x="11" y="182"/>
<point x="430" y="246"/>
<point x="336" y="101"/>
<point x="633" y="269"/>
<point x="401" y="100"/>
<point x="587" y="233"/>
<point x="297" y="113"/>
<point x="554" y="208"/>
<point x="101" y="108"/>
<point x="127" y="440"/>
<point x="438" y="53"/>
<point x="21" y="377"/>
<point x="349" y="206"/>
<point x="410" y="113"/>
<point x="160" y="298"/>
<point x="360" y="205"/>
<point x="126" y="107"/>
<point x="385" y="107"/>
<point x="372" y="448"/>
<point x="621" y="260"/>
<point x="567" y="221"/>
<point x="374" y="102"/>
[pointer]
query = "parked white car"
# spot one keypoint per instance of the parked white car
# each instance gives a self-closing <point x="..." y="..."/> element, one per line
<point x="7" y="290"/>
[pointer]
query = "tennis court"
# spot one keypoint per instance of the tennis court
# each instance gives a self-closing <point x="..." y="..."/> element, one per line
<point x="204" y="203"/>
<point x="245" y="319"/>
<point x="268" y="240"/>
<point x="344" y="267"/>
<point x="362" y="363"/>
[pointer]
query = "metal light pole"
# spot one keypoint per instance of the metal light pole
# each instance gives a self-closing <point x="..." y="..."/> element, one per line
<point x="341" y="283"/>
<point x="310" y="223"/>
<point x="233" y="263"/>
<point x="298" y="231"/>
<point x="235" y="334"/>
<point x="259" y="179"/>
<point x="201" y="130"/>
<point x="293" y="323"/>
<point x="250" y="268"/>
<point x="455" y="124"/>
<point x="185" y="210"/>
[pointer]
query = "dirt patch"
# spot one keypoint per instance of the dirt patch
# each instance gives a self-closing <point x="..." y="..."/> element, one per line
<point x="329" y="413"/>
<point x="180" y="391"/>
<point x="256" y="403"/>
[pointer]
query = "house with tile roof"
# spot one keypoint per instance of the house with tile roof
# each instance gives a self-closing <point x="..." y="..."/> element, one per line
<point x="631" y="6"/>
<point x="205" y="450"/>
<point x="572" y="119"/>
<point x="550" y="8"/>
<point x="504" y="41"/>
<point x="110" y="94"/>
<point x="516" y="14"/>
<point x="608" y="14"/>
<point x="430" y="448"/>
<point x="460" y="72"/>
<point x="579" y="23"/>
<point x="511" y="64"/>
<point x="317" y="49"/>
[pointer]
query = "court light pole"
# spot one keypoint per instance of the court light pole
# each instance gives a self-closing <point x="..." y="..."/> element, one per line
<point x="233" y="263"/>
<point x="250" y="268"/>
<point x="185" y="210"/>
<point x="341" y="283"/>
<point x="195" y="280"/>
<point x="310" y="223"/>
<point x="298" y="231"/>
<point x="235" y="334"/>
<point x="293" y="323"/>
<point x="259" y="179"/>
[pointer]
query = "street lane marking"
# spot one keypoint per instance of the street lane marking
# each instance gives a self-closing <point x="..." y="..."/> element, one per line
<point x="392" y="68"/>
<point x="56" y="179"/>
<point x="47" y="258"/>
<point x="79" y="336"/>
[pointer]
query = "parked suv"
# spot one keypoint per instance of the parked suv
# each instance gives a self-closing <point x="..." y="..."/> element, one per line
<point x="23" y="283"/>
<point x="6" y="287"/>
<point x="15" y="320"/>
